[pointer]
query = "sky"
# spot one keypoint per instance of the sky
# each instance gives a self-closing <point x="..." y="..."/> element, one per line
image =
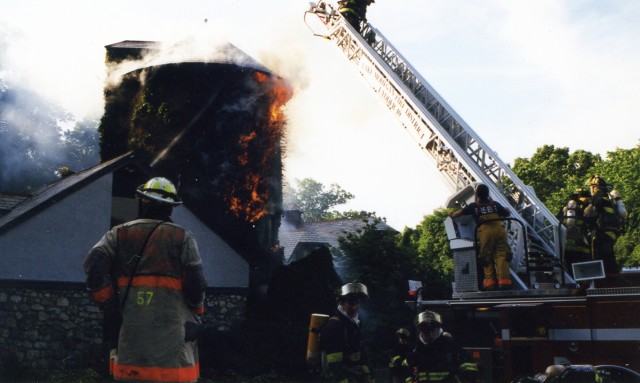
<point x="522" y="74"/>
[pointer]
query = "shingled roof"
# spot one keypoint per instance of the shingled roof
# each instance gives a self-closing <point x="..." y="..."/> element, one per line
<point x="9" y="201"/>
<point x="49" y="194"/>
<point x="324" y="232"/>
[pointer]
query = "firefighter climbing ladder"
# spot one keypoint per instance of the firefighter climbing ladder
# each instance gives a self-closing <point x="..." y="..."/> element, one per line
<point x="459" y="154"/>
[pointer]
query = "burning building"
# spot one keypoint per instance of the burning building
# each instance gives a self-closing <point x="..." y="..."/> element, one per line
<point x="213" y="124"/>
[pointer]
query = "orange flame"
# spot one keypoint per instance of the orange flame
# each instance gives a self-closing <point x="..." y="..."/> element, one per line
<point x="258" y="149"/>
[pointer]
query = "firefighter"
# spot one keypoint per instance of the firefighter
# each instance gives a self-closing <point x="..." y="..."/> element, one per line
<point x="147" y="274"/>
<point x="343" y="356"/>
<point x="400" y="351"/>
<point x="437" y="357"/>
<point x="577" y="246"/>
<point x="354" y="11"/>
<point x="494" y="252"/>
<point x="606" y="221"/>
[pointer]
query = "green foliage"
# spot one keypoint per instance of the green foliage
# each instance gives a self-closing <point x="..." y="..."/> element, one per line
<point x="34" y="142"/>
<point x="351" y="214"/>
<point x="554" y="173"/>
<point x="434" y="257"/>
<point x="622" y="172"/>
<point x="314" y="199"/>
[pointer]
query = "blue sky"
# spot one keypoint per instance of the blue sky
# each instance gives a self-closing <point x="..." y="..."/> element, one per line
<point x="521" y="73"/>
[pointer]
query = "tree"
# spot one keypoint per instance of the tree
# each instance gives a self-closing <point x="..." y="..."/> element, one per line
<point x="434" y="258"/>
<point x="554" y="173"/>
<point x="30" y="139"/>
<point x="313" y="199"/>
<point x="621" y="171"/>
<point x="81" y="145"/>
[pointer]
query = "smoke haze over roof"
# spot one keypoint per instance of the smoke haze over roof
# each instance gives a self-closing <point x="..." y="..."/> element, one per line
<point x="521" y="74"/>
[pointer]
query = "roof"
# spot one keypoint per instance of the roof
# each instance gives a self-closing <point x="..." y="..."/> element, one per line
<point x="8" y="201"/>
<point x="326" y="232"/>
<point x="51" y="193"/>
<point x="187" y="51"/>
<point x="134" y="44"/>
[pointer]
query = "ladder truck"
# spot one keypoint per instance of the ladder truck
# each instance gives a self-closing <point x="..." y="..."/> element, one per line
<point x="548" y="317"/>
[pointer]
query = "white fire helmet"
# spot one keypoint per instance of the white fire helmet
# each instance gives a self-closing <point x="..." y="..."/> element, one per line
<point x="429" y="319"/>
<point x="353" y="290"/>
<point x="161" y="190"/>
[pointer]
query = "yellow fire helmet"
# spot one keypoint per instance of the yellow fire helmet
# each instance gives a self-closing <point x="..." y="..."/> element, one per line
<point x="160" y="190"/>
<point x="597" y="181"/>
<point x="353" y="290"/>
<point x="429" y="319"/>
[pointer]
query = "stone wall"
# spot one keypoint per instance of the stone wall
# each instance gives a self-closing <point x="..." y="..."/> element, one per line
<point x="45" y="326"/>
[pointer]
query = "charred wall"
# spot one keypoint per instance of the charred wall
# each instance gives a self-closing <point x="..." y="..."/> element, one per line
<point x="216" y="130"/>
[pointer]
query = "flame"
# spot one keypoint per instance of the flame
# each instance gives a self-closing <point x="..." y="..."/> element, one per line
<point x="259" y="148"/>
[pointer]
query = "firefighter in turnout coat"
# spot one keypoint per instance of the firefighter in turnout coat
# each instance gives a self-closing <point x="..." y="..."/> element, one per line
<point x="437" y="357"/>
<point x="342" y="354"/>
<point x="354" y="11"/>
<point x="605" y="213"/>
<point x="147" y="274"/>
<point x="495" y="253"/>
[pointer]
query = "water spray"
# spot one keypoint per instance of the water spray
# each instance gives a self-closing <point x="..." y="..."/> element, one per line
<point x="179" y="136"/>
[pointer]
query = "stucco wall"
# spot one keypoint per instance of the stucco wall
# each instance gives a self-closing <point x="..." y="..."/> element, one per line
<point x="51" y="245"/>
<point x="223" y="266"/>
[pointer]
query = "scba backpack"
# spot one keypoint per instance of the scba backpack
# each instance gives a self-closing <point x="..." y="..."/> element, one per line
<point x="608" y="218"/>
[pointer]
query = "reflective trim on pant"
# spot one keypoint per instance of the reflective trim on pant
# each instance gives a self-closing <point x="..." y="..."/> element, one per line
<point x="156" y="374"/>
<point x="352" y="11"/>
<point x="468" y="366"/>
<point x="432" y="376"/>
<point x="334" y="357"/>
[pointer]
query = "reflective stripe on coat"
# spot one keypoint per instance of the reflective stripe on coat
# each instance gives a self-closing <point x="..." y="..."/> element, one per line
<point x="168" y="287"/>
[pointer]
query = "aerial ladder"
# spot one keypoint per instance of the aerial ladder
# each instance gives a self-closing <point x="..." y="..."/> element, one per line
<point x="459" y="153"/>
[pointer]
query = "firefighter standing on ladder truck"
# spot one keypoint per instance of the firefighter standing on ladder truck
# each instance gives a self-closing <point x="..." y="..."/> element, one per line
<point x="495" y="253"/>
<point x="606" y="214"/>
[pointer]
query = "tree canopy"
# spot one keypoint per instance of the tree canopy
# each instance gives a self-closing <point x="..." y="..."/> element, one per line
<point x="34" y="142"/>
<point x="315" y="200"/>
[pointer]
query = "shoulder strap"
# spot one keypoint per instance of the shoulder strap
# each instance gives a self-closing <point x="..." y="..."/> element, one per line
<point x="135" y="267"/>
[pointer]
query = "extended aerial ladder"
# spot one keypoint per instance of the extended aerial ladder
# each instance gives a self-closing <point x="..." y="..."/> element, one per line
<point x="459" y="153"/>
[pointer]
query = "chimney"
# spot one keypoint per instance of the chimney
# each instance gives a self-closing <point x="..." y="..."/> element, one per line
<point x="293" y="216"/>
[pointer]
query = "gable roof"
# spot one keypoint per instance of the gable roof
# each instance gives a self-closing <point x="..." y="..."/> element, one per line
<point x="324" y="232"/>
<point x="51" y="193"/>
<point x="8" y="201"/>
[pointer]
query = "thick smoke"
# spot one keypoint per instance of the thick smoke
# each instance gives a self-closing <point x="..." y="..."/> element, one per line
<point x="37" y="135"/>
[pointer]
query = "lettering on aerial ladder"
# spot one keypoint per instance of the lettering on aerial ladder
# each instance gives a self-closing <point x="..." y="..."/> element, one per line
<point x="394" y="101"/>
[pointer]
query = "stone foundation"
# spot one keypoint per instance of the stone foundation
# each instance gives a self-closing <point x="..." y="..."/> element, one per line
<point x="56" y="327"/>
